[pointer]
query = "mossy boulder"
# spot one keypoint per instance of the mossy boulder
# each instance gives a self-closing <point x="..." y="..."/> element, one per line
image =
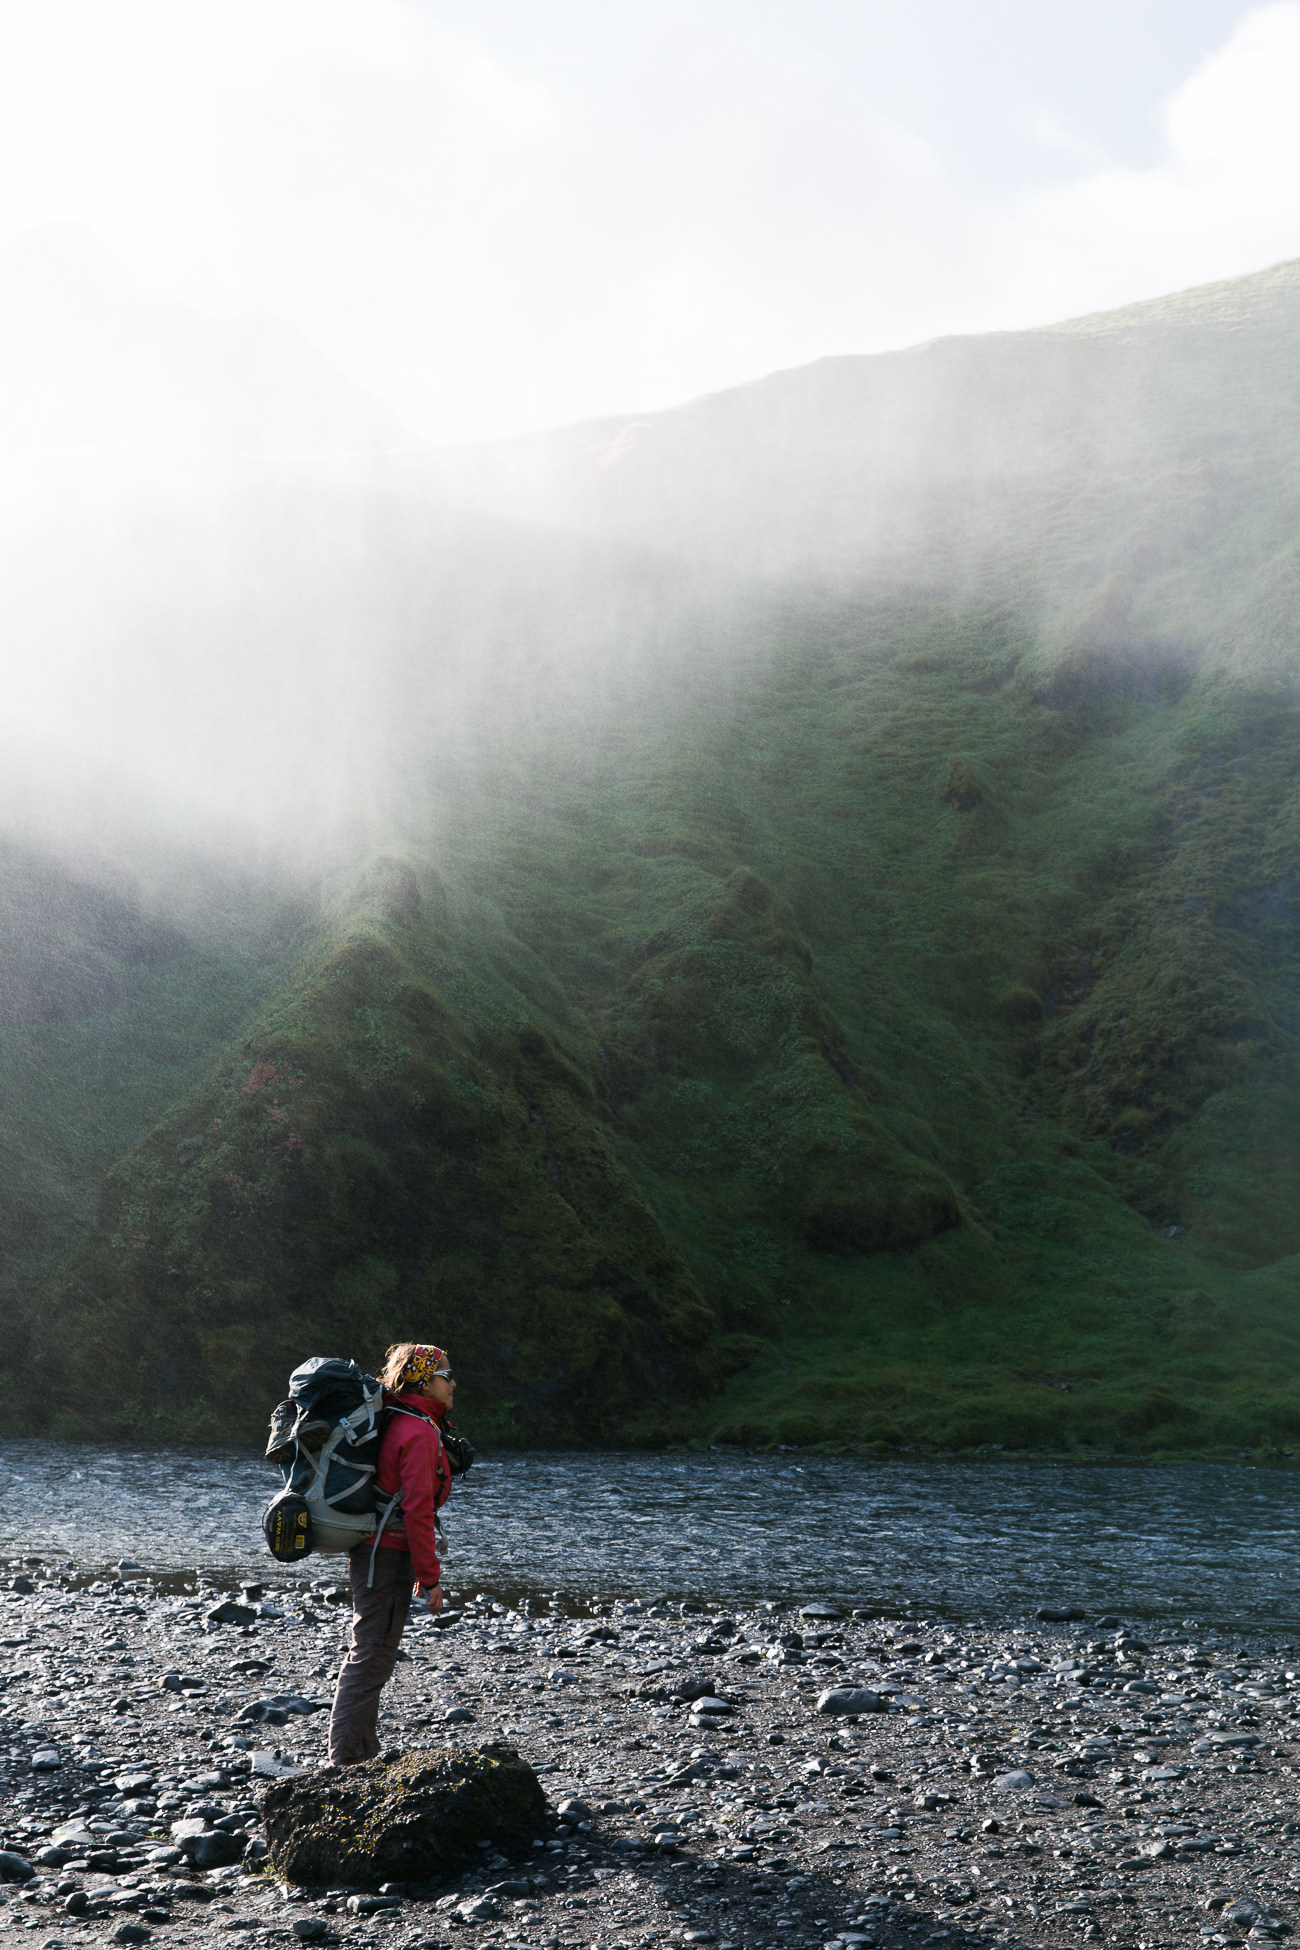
<point x="405" y="1817"/>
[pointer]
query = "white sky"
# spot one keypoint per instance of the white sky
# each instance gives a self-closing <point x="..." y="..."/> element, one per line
<point x="507" y="214"/>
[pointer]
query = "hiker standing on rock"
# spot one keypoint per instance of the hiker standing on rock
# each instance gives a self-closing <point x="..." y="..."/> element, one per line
<point x="418" y="1390"/>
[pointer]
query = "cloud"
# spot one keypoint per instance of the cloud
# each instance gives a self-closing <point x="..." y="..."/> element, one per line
<point x="496" y="220"/>
<point x="1223" y="199"/>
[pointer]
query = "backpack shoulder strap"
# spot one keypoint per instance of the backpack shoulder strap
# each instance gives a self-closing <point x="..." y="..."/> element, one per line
<point x="364" y="1417"/>
<point x="415" y="1416"/>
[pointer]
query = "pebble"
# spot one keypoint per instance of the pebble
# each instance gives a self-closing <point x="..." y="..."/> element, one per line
<point x="851" y="1700"/>
<point x="1027" y="1782"/>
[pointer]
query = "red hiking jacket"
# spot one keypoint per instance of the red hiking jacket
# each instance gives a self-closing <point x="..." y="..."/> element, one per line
<point x="411" y="1458"/>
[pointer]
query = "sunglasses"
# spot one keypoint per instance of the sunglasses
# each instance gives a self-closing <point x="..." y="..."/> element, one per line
<point x="444" y="1374"/>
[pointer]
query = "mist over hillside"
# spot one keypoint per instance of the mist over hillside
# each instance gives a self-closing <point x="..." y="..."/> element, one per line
<point x="770" y="921"/>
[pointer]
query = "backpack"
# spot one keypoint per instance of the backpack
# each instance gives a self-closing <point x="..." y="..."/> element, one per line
<point x="325" y="1438"/>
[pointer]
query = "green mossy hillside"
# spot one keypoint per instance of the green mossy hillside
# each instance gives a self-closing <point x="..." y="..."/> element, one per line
<point x="831" y="970"/>
<point x="951" y="1033"/>
<point x="111" y="1005"/>
<point x="396" y="1138"/>
<point x="894" y="1058"/>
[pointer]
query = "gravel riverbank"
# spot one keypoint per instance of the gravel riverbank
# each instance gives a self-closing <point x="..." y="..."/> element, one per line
<point x="1043" y="1782"/>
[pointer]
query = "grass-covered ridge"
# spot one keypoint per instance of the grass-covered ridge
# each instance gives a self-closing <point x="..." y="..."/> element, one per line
<point x="858" y="1061"/>
<point x="883" y="1031"/>
<point x="1067" y="985"/>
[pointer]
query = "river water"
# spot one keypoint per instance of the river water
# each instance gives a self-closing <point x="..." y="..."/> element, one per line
<point x="946" y="1539"/>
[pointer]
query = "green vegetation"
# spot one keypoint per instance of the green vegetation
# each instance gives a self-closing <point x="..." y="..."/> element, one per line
<point x="895" y="1043"/>
<point x="107" y="1013"/>
<point x="869" y="1103"/>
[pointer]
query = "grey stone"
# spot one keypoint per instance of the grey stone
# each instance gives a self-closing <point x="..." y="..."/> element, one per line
<point x="276" y="1708"/>
<point x="1016" y="1781"/>
<point x="695" y="1685"/>
<point x="46" y="1760"/>
<point x="850" y="1699"/>
<point x="207" y="1847"/>
<point x="217" y="1850"/>
<point x="231" y="1613"/>
<point x="14" y="1867"/>
<point x="309" y="1928"/>
<point x="74" y="1836"/>
<point x="130" y="1933"/>
<point x="457" y="1715"/>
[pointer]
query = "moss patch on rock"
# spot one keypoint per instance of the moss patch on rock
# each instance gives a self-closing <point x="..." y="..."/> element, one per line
<point x="407" y="1817"/>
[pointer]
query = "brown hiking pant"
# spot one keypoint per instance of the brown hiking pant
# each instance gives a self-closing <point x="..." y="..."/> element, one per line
<point x="378" y="1615"/>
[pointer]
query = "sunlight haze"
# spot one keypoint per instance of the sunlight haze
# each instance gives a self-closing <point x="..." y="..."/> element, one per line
<point x="505" y="217"/>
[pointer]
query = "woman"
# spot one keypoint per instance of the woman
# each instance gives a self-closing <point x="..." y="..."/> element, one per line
<point x="419" y="1391"/>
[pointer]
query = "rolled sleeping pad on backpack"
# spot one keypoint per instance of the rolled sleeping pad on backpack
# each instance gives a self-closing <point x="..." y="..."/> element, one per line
<point x="287" y="1528"/>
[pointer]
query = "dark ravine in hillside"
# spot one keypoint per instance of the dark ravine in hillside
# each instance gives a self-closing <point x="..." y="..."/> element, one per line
<point x="852" y="1005"/>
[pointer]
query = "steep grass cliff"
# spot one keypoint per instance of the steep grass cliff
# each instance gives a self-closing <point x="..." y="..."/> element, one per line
<point x="843" y="990"/>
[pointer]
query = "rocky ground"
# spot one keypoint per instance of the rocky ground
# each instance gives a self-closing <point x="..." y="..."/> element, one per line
<point x="1053" y="1782"/>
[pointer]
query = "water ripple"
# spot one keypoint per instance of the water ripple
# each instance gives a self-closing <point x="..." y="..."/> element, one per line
<point x="956" y="1539"/>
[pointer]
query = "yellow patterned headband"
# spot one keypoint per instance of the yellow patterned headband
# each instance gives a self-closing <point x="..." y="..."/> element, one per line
<point x="423" y="1366"/>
